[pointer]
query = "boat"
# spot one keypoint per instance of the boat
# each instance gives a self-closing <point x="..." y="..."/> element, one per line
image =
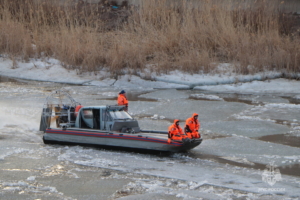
<point x="103" y="126"/>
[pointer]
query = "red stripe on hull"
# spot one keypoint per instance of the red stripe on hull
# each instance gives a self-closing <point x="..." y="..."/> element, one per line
<point x="106" y="135"/>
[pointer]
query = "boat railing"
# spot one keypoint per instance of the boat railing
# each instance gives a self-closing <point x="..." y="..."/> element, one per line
<point x="151" y="131"/>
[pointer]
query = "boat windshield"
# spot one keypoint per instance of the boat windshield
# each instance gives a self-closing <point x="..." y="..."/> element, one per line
<point x="119" y="115"/>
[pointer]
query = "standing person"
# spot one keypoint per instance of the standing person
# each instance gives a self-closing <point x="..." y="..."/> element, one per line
<point x="192" y="126"/>
<point x="175" y="132"/>
<point x="122" y="100"/>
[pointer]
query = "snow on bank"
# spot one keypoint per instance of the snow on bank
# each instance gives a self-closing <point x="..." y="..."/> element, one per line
<point x="269" y="86"/>
<point x="40" y="70"/>
<point x="51" y="70"/>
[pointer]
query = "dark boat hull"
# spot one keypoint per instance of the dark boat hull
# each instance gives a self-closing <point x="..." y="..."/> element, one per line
<point x="142" y="141"/>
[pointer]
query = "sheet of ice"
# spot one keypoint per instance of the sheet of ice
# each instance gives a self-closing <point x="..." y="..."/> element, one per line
<point x="270" y="99"/>
<point x="250" y="149"/>
<point x="256" y="128"/>
<point x="141" y="108"/>
<point x="295" y="131"/>
<point x="207" y="110"/>
<point x="12" y="116"/>
<point x="131" y="81"/>
<point x="11" y="188"/>
<point x="154" y="123"/>
<point x="225" y="77"/>
<point x="169" y="94"/>
<point x="279" y="86"/>
<point x="208" y="97"/>
<point x="196" y="170"/>
<point x="19" y="147"/>
<point x="275" y="111"/>
<point x="7" y="150"/>
<point x="162" y="191"/>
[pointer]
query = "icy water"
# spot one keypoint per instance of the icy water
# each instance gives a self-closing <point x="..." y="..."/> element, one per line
<point x="250" y="150"/>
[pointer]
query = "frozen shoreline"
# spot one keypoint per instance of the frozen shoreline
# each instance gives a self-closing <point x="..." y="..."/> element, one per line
<point x="50" y="70"/>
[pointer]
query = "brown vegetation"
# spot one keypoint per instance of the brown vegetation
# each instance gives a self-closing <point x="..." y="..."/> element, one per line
<point x="158" y="33"/>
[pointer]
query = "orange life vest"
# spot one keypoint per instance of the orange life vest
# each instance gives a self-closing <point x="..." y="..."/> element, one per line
<point x="192" y="126"/>
<point x="193" y="123"/>
<point x="122" y="100"/>
<point x="175" y="131"/>
<point x="77" y="109"/>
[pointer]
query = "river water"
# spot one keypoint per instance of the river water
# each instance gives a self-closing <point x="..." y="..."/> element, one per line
<point x="246" y="138"/>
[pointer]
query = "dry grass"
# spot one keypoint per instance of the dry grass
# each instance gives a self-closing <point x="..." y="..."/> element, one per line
<point x="166" y="35"/>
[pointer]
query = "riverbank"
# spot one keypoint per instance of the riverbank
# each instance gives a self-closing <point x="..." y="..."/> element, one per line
<point x="156" y="36"/>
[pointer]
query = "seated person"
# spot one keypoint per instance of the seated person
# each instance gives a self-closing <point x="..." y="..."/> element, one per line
<point x="175" y="132"/>
<point x="192" y="127"/>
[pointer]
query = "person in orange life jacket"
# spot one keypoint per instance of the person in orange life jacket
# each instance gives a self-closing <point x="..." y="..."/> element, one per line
<point x="175" y="132"/>
<point x="122" y="100"/>
<point x="192" y="126"/>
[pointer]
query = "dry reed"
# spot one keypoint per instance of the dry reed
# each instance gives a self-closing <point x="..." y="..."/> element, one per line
<point x="161" y="34"/>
